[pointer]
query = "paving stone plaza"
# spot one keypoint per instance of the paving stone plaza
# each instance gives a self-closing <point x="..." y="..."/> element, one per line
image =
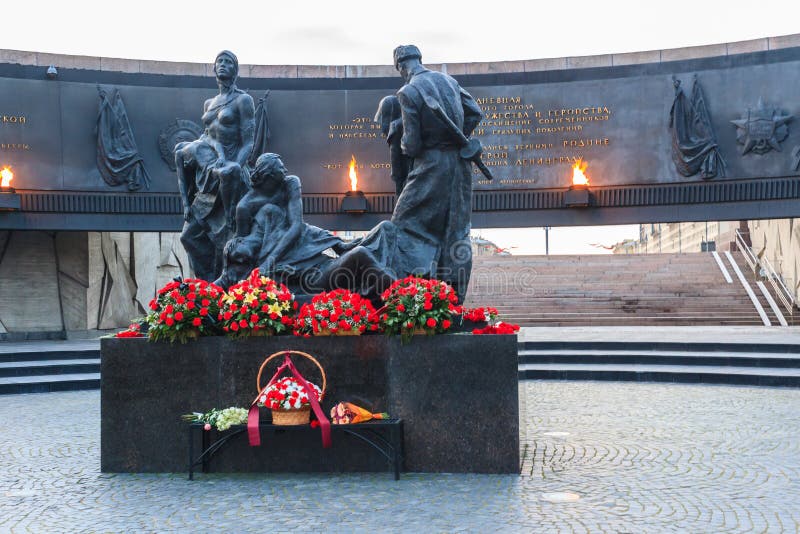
<point x="596" y="457"/>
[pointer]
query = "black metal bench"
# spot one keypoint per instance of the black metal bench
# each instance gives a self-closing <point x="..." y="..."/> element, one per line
<point x="383" y="435"/>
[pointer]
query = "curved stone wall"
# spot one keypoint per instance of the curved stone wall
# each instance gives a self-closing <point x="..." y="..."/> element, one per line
<point x="541" y="115"/>
<point x="142" y="66"/>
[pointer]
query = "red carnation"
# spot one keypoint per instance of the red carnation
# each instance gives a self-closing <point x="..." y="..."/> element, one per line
<point x="446" y="324"/>
<point x="203" y="311"/>
<point x="179" y="316"/>
<point x="254" y="318"/>
<point x="401" y="307"/>
<point x="197" y="321"/>
<point x="170" y="321"/>
<point x="431" y="322"/>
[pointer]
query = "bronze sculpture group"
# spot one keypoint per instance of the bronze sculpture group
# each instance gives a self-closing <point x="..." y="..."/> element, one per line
<point x="237" y="218"/>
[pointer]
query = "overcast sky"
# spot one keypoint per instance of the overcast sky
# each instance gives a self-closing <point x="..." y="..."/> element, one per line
<point x="365" y="32"/>
<point x="312" y="32"/>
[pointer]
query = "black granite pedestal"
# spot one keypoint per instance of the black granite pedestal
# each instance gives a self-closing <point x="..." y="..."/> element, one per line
<point x="457" y="395"/>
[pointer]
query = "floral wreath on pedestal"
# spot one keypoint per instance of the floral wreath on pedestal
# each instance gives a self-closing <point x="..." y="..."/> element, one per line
<point x="338" y="312"/>
<point x="257" y="306"/>
<point x="418" y="305"/>
<point x="183" y="310"/>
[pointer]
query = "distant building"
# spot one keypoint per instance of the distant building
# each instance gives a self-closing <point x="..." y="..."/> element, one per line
<point x="666" y="238"/>
<point x="484" y="247"/>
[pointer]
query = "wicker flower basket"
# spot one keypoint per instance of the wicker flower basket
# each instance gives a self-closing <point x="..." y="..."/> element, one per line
<point x="291" y="417"/>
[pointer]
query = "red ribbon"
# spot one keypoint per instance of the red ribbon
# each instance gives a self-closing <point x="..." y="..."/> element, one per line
<point x="253" y="433"/>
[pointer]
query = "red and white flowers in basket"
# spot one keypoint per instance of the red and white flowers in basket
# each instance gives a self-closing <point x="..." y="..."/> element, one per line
<point x="338" y="312"/>
<point x="287" y="394"/>
<point x="184" y="309"/>
<point x="257" y="306"/>
<point x="417" y="304"/>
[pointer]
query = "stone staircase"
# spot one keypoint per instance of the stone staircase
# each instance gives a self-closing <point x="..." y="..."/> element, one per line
<point x="44" y="366"/>
<point x="613" y="290"/>
<point x="761" y="364"/>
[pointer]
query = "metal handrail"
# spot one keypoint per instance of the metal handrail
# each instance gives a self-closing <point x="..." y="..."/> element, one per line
<point x="762" y="267"/>
<point x="749" y="256"/>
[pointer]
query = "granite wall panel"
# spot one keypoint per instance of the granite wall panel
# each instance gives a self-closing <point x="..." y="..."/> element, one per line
<point x="29" y="296"/>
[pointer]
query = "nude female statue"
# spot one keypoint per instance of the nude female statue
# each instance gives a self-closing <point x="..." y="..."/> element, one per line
<point x="212" y="171"/>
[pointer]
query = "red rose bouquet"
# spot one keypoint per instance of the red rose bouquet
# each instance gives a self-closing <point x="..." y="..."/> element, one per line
<point x="134" y="330"/>
<point x="338" y="312"/>
<point x="480" y="315"/>
<point x="417" y="304"/>
<point x="183" y="310"/>
<point x="499" y="328"/>
<point x="491" y="316"/>
<point x="257" y="306"/>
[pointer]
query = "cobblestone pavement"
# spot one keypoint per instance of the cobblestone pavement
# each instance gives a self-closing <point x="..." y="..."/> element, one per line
<point x="637" y="457"/>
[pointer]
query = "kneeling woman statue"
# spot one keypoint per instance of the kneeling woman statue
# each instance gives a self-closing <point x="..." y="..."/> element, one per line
<point x="270" y="231"/>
